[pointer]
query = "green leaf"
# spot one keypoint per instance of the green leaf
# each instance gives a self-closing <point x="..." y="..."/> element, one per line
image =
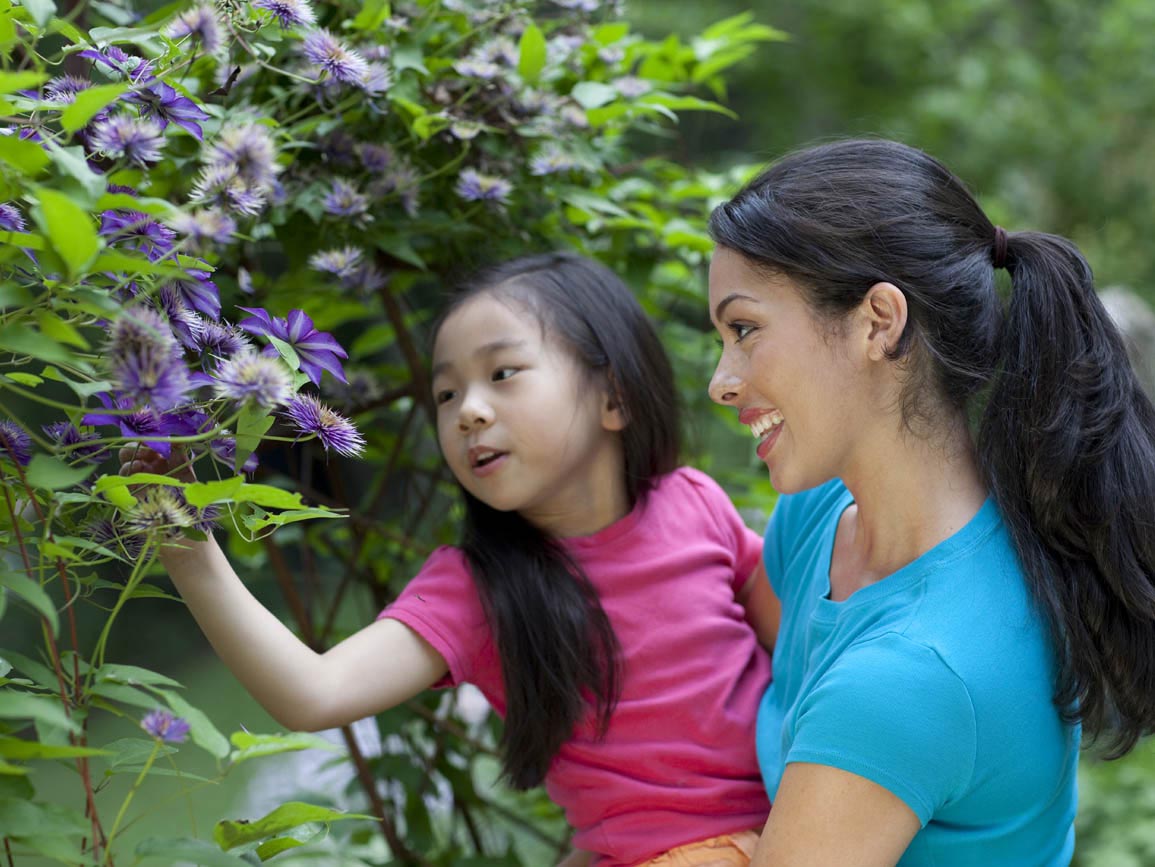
<point x="201" y="494"/>
<point x="22" y="154"/>
<point x="286" y="351"/>
<point x="268" y="496"/>
<point x="24" y="340"/>
<point x="685" y="103"/>
<point x="52" y="474"/>
<point x="42" y="709"/>
<point x="607" y="34"/>
<point x="400" y="247"/>
<point x="72" y="162"/>
<point x="133" y="675"/>
<point x="41" y="11"/>
<point x="59" y="330"/>
<point x="372" y="15"/>
<point x="21" y="750"/>
<point x="199" y="852"/>
<point x="231" y="834"/>
<point x="40" y="673"/>
<point x="10" y="82"/>
<point x="32" y="593"/>
<point x="252" y="424"/>
<point x="277" y="845"/>
<point x="204" y="733"/>
<point x="251" y="746"/>
<point x="408" y="57"/>
<point x="82" y="389"/>
<point x="134" y="752"/>
<point x="592" y="94"/>
<point x="29" y="379"/>
<point x="21" y="818"/>
<point x="88" y="103"/>
<point x="70" y="229"/>
<point x="531" y="53"/>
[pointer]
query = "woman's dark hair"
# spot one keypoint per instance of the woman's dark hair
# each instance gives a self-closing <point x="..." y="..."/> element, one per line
<point x="559" y="655"/>
<point x="1066" y="436"/>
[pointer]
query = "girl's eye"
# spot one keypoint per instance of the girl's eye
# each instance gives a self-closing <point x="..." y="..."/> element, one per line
<point x="503" y="373"/>
<point x="443" y="396"/>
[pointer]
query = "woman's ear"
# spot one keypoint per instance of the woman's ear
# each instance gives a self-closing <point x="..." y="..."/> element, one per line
<point x="613" y="414"/>
<point x="883" y="313"/>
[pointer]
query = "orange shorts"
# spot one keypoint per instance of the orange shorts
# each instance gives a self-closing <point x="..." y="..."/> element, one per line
<point x="728" y="850"/>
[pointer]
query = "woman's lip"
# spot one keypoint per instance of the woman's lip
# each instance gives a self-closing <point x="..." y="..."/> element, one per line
<point x="766" y="444"/>
<point x="748" y="416"/>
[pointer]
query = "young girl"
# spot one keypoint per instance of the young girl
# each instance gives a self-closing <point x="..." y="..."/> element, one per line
<point x="602" y="598"/>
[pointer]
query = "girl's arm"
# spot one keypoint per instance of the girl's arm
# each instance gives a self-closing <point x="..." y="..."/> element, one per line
<point x="577" y="858"/>
<point x="825" y="815"/>
<point x="763" y="610"/>
<point x="373" y="670"/>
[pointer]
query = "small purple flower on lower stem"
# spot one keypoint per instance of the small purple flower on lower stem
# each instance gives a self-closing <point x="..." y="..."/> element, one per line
<point x="165" y="726"/>
<point x="317" y="350"/>
<point x="252" y="377"/>
<point x="248" y="149"/>
<point x="476" y="187"/>
<point x="291" y="13"/>
<point x="165" y="103"/>
<point x="225" y="451"/>
<point x="144" y="425"/>
<point x="160" y="511"/>
<point x="15" y="442"/>
<point x="344" y="200"/>
<point x="11" y="220"/>
<point x="376" y="158"/>
<point x="201" y="23"/>
<point x="138" y="231"/>
<point x="221" y="185"/>
<point x="221" y="340"/>
<point x="136" y="139"/>
<point x="111" y="535"/>
<point x="311" y="417"/>
<point x="113" y="59"/>
<point x="150" y="377"/>
<point x="333" y="58"/>
<point x="198" y="292"/>
<point x="75" y="444"/>
<point x="378" y="79"/>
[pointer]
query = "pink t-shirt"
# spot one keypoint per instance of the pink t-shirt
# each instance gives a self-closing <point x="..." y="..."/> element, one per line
<point x="678" y="762"/>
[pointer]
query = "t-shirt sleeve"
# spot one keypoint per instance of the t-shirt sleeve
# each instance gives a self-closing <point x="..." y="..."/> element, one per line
<point x="442" y="606"/>
<point x="735" y="535"/>
<point x="892" y="711"/>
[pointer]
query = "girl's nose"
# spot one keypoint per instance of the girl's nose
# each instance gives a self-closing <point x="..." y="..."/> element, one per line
<point x="474" y="414"/>
<point x="725" y="387"/>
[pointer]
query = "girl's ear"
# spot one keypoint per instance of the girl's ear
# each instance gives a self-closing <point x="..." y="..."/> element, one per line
<point x="883" y="315"/>
<point x="613" y="414"/>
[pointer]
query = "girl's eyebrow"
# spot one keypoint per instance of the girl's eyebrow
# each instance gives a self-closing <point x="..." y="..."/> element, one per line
<point x="481" y="351"/>
<point x="733" y="296"/>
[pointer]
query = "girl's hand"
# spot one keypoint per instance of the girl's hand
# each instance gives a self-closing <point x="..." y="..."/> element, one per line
<point x="139" y="458"/>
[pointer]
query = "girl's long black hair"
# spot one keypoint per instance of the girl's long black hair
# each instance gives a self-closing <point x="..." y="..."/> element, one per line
<point x="1066" y="438"/>
<point x="559" y="655"/>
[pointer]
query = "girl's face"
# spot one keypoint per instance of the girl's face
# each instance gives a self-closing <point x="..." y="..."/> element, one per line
<point x="521" y="424"/>
<point x="792" y="380"/>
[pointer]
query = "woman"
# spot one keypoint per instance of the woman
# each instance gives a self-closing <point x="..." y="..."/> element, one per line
<point x="963" y="549"/>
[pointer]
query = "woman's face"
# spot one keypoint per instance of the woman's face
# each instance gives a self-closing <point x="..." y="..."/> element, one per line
<point x="792" y="378"/>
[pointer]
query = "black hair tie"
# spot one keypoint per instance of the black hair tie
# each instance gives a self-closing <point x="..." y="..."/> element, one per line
<point x="999" y="255"/>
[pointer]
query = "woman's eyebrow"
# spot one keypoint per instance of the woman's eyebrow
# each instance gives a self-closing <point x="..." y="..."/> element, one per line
<point x="733" y="296"/>
<point x="481" y="351"/>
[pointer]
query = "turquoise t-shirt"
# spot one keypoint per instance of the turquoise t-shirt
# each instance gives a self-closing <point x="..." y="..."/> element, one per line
<point x="935" y="683"/>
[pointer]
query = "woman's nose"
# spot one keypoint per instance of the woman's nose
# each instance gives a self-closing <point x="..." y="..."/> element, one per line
<point x="725" y="386"/>
<point x="474" y="414"/>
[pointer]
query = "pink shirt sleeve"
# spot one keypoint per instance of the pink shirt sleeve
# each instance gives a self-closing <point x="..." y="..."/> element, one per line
<point x="735" y="535"/>
<point x="442" y="606"/>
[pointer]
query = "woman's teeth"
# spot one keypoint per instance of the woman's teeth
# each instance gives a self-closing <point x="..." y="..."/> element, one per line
<point x="765" y="423"/>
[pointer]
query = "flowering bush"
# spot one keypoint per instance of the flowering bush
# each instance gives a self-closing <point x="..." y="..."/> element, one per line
<point x="331" y="169"/>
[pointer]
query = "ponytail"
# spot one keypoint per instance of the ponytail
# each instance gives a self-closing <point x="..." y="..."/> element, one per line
<point x="1067" y="443"/>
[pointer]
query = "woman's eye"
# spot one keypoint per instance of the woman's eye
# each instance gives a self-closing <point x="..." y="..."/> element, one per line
<point x="503" y="373"/>
<point x="740" y="329"/>
<point x="443" y="396"/>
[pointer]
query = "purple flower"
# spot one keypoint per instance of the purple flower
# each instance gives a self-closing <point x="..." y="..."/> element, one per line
<point x="221" y="185"/>
<point x="185" y="323"/>
<point x="326" y="51"/>
<point x="163" y="102"/>
<point x="316" y="350"/>
<point x="344" y="200"/>
<point x="291" y="13"/>
<point x="146" y="361"/>
<point x="63" y="88"/>
<point x="143" y="425"/>
<point x="201" y="23"/>
<point x="15" y="442"/>
<point x="343" y="263"/>
<point x="11" y="220"/>
<point x="311" y="417"/>
<point x="74" y="443"/>
<point x="160" y="511"/>
<point x="474" y="67"/>
<point x="140" y="328"/>
<point x="224" y="450"/>
<point x="220" y="340"/>
<point x="138" y="231"/>
<point x="251" y="377"/>
<point x="403" y="181"/>
<point x="376" y="158"/>
<point x="249" y="151"/>
<point x="104" y="531"/>
<point x="631" y="86"/>
<point x="136" y="139"/>
<point x="168" y="728"/>
<point x="378" y="79"/>
<point x="198" y="292"/>
<point x="551" y="160"/>
<point x="475" y="187"/>
<point x="206" y="226"/>
<point x="113" y="59"/>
